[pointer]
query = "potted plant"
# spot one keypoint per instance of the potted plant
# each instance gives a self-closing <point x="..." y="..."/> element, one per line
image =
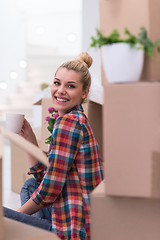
<point x="123" y="59"/>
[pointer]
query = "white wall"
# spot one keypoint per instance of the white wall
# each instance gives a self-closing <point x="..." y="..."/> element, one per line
<point x="90" y="23"/>
<point x="58" y="19"/>
<point x="19" y="22"/>
<point x="12" y="47"/>
<point x="57" y="29"/>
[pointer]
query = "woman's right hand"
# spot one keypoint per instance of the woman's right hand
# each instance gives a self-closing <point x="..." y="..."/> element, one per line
<point x="27" y="133"/>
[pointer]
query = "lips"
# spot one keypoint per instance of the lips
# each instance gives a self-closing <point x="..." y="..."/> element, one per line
<point x="59" y="99"/>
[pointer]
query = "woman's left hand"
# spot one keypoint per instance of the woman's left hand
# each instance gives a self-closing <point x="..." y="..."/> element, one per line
<point x="27" y="133"/>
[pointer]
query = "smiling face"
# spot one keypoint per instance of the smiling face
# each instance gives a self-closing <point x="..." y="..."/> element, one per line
<point x="67" y="90"/>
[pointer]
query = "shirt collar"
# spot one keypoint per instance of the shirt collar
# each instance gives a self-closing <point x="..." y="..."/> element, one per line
<point x="78" y="108"/>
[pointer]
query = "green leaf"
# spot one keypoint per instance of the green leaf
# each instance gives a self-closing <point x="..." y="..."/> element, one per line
<point x="48" y="140"/>
<point x="50" y="129"/>
<point x="51" y="121"/>
<point x="142" y="39"/>
<point x="157" y="43"/>
<point x="51" y="125"/>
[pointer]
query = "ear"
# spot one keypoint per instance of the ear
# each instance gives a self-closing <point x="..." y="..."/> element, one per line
<point x="85" y="93"/>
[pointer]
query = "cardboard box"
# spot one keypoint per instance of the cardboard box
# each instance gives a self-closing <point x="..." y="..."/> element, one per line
<point x="15" y="230"/>
<point x="19" y="168"/>
<point x="45" y="103"/>
<point x="128" y="13"/>
<point x="123" y="218"/>
<point x="131" y="121"/>
<point x="94" y="114"/>
<point x="19" y="162"/>
<point x="19" y="165"/>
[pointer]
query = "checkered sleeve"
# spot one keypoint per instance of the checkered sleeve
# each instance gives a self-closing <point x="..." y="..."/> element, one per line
<point x="38" y="171"/>
<point x="66" y="141"/>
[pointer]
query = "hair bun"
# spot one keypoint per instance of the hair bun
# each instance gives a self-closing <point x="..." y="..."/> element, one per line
<point x="85" y="58"/>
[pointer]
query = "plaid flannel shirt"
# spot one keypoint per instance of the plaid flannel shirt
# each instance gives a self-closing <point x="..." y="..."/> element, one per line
<point x="74" y="170"/>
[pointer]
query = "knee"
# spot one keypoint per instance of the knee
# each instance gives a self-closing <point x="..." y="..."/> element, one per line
<point x="30" y="183"/>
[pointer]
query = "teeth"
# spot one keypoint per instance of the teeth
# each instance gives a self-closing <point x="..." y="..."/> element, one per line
<point x="61" y="100"/>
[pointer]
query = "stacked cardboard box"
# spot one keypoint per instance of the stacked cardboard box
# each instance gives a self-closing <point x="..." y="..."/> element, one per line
<point x="132" y="139"/>
<point x="126" y="204"/>
<point x="123" y="218"/>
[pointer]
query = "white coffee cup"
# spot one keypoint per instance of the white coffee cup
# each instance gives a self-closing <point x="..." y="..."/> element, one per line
<point x="14" y="122"/>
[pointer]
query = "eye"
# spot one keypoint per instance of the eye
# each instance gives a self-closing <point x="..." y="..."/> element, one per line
<point x="71" y="86"/>
<point x="56" y="83"/>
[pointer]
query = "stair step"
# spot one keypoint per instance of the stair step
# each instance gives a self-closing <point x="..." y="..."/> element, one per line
<point x="21" y="100"/>
<point x="29" y="87"/>
<point x="40" y="75"/>
<point x="46" y="63"/>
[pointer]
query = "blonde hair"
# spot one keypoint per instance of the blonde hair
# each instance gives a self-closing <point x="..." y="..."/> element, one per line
<point x="81" y="65"/>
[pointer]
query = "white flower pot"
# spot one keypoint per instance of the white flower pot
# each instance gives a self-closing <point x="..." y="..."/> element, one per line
<point x="122" y="63"/>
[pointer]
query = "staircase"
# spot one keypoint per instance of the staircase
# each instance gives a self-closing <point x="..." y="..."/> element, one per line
<point x="42" y="64"/>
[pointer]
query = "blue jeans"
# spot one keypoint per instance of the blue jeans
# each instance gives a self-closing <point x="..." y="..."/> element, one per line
<point x="41" y="219"/>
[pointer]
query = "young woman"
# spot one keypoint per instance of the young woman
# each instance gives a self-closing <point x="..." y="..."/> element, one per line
<point x="61" y="193"/>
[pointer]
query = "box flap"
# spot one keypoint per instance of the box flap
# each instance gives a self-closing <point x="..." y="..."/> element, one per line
<point x="46" y="93"/>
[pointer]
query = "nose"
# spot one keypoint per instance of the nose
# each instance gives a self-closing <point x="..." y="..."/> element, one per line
<point x="62" y="90"/>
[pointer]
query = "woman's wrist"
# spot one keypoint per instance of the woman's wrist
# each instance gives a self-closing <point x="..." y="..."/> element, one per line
<point x="32" y="138"/>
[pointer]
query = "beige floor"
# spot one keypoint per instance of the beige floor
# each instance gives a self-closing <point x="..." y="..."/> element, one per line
<point x="10" y="199"/>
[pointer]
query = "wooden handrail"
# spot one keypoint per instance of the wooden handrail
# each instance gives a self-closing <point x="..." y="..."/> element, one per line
<point x="27" y="146"/>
